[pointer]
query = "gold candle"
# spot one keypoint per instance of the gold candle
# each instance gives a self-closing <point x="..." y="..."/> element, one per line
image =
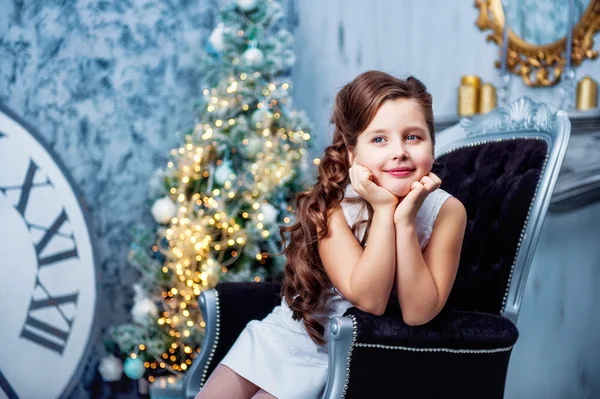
<point x="587" y="93"/>
<point x="487" y="98"/>
<point x="471" y="80"/>
<point x="468" y="95"/>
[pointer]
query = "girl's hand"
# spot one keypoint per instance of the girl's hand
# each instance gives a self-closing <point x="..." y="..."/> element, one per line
<point x="406" y="211"/>
<point x="362" y="182"/>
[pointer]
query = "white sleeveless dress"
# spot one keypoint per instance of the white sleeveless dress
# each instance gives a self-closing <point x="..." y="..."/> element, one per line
<point x="277" y="354"/>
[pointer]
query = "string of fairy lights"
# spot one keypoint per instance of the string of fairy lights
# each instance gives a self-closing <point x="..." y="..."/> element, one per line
<point x="204" y="239"/>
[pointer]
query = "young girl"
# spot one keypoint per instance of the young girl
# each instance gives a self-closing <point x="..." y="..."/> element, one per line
<point x="375" y="224"/>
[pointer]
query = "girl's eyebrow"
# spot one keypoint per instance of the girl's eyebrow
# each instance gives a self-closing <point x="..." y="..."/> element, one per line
<point x="376" y="131"/>
<point x="410" y="128"/>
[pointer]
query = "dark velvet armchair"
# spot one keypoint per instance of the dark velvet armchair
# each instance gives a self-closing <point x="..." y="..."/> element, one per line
<point x="503" y="170"/>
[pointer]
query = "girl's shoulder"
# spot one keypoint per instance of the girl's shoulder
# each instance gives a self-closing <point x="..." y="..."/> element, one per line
<point x="355" y="211"/>
<point x="431" y="206"/>
<point x="352" y="204"/>
<point x="439" y="195"/>
<point x="349" y="193"/>
<point x="428" y="214"/>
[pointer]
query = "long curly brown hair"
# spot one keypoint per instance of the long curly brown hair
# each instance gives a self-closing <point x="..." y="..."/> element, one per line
<point x="306" y="287"/>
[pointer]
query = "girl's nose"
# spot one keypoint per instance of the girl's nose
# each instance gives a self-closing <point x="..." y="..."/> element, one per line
<point x="399" y="152"/>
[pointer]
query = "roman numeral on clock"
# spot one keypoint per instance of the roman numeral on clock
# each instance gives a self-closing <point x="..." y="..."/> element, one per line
<point x="50" y="233"/>
<point x="34" y="327"/>
<point x="53" y="230"/>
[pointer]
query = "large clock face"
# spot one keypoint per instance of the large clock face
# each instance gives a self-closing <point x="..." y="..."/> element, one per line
<point x="47" y="269"/>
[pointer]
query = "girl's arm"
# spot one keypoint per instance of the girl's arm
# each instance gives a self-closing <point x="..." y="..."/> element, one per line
<point x="364" y="277"/>
<point x="424" y="280"/>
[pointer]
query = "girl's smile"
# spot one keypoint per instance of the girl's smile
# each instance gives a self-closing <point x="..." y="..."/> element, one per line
<point x="400" y="172"/>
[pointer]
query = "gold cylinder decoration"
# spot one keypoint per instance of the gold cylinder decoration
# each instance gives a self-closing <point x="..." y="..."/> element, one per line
<point x="468" y="95"/>
<point x="587" y="93"/>
<point x="487" y="98"/>
<point x="471" y="80"/>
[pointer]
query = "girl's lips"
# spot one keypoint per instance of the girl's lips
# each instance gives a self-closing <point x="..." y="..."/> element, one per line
<point x="400" y="173"/>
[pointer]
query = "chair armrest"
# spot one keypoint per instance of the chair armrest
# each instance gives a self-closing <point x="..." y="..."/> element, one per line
<point x="226" y="310"/>
<point x="457" y="354"/>
<point x="450" y="329"/>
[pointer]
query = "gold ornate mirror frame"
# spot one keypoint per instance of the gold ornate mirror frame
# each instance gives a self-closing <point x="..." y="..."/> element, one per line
<point x="540" y="65"/>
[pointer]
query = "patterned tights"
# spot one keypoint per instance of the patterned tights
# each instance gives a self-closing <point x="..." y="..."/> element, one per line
<point x="226" y="383"/>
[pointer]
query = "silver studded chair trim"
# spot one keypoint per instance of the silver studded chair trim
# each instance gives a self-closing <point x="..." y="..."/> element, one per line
<point x="449" y="350"/>
<point x="216" y="323"/>
<point x="194" y="379"/>
<point x="342" y="336"/>
<point x="349" y="356"/>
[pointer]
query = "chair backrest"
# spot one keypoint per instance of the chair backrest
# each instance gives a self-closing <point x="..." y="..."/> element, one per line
<point x="503" y="170"/>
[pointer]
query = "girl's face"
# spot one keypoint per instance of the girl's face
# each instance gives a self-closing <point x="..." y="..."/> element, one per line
<point x="396" y="146"/>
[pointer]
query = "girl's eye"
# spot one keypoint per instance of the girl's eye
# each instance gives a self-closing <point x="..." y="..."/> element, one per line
<point x="378" y="140"/>
<point x="412" y="137"/>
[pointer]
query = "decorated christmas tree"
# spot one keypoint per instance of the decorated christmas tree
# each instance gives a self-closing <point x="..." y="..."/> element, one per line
<point x="222" y="196"/>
